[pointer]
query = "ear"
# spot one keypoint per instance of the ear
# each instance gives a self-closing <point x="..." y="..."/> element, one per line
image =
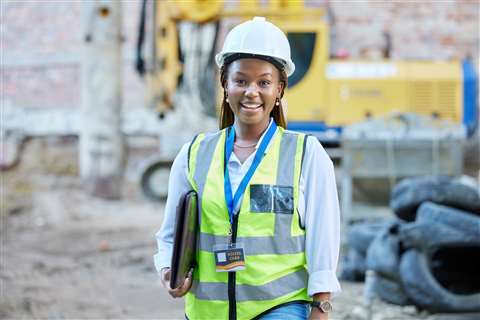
<point x="280" y="87"/>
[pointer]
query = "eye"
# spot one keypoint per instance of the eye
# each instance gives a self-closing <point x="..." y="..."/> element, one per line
<point x="240" y="82"/>
<point x="264" y="83"/>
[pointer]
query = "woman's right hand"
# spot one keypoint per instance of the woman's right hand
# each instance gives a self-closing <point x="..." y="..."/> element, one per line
<point x="181" y="290"/>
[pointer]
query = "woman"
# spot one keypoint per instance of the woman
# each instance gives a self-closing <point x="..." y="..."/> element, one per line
<point x="269" y="218"/>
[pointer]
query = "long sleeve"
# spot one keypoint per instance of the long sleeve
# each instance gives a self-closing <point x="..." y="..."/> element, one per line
<point x="178" y="185"/>
<point x="320" y="213"/>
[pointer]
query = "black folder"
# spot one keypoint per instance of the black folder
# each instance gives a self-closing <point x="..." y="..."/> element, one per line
<point x="185" y="238"/>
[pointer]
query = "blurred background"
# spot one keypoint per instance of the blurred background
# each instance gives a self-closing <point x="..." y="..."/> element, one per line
<point x="97" y="97"/>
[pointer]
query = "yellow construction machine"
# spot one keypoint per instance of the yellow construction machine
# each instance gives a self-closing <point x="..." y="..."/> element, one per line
<point x="178" y="41"/>
<point x="324" y="94"/>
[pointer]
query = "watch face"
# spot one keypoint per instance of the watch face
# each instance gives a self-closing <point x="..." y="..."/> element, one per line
<point x="326" y="306"/>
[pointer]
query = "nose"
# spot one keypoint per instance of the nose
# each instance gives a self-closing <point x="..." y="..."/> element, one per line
<point x="251" y="90"/>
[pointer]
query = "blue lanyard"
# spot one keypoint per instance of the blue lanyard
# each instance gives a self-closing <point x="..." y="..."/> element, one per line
<point x="232" y="200"/>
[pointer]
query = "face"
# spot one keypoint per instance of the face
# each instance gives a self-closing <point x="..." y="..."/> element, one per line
<point x="252" y="87"/>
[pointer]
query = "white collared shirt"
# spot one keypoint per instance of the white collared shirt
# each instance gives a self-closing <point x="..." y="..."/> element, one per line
<point x="317" y="206"/>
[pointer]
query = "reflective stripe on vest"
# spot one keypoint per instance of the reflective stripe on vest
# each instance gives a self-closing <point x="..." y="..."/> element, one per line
<point x="244" y="292"/>
<point x="207" y="149"/>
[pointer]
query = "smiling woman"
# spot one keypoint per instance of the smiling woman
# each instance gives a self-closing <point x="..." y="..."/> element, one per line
<point x="268" y="240"/>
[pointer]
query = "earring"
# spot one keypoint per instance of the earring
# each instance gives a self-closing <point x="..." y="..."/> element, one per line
<point x="277" y="103"/>
<point x="226" y="100"/>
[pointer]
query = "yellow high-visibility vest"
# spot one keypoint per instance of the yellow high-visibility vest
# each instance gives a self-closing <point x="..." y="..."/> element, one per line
<point x="268" y="226"/>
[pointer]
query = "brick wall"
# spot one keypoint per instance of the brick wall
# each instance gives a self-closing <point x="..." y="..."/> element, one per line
<point x="435" y="29"/>
<point x="41" y="42"/>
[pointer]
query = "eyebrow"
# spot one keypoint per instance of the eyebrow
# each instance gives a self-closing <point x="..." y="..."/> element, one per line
<point x="263" y="74"/>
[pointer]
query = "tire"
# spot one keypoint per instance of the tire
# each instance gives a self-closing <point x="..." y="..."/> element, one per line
<point x="390" y="291"/>
<point x="409" y="194"/>
<point x="152" y="188"/>
<point x="438" y="226"/>
<point x="360" y="235"/>
<point x="426" y="292"/>
<point x="439" y="270"/>
<point x="383" y="255"/>
<point x="466" y="222"/>
<point x="353" y="266"/>
<point x="406" y="184"/>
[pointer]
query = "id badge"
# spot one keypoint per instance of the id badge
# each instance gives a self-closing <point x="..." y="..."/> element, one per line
<point x="229" y="257"/>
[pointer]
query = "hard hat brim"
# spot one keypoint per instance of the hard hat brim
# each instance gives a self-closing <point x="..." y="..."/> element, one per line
<point x="226" y="58"/>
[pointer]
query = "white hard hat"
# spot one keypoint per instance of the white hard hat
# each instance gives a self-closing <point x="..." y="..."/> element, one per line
<point x="257" y="38"/>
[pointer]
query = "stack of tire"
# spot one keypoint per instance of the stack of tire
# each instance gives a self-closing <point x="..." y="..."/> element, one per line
<point x="430" y="256"/>
<point x="359" y="237"/>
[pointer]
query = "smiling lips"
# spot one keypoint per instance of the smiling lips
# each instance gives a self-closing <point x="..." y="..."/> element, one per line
<point x="251" y="106"/>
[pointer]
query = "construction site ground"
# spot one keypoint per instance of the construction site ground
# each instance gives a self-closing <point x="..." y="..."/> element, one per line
<point x="66" y="254"/>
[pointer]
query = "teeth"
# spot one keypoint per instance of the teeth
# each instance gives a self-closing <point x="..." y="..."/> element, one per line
<point x="248" y="106"/>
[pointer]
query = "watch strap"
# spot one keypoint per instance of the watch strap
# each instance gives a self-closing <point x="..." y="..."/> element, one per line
<point x="324" y="306"/>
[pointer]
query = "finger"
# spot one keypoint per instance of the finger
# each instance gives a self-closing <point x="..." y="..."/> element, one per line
<point x="173" y="292"/>
<point x="166" y="275"/>
<point x="181" y="290"/>
<point x="176" y="293"/>
<point x="165" y="278"/>
<point x="185" y="287"/>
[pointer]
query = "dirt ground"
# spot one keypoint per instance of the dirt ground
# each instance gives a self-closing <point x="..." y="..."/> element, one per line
<point x="69" y="255"/>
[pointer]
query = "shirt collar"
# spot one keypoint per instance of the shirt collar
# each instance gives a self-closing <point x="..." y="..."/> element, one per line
<point x="233" y="157"/>
<point x="263" y="136"/>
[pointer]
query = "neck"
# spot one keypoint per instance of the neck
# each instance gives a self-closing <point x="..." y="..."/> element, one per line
<point x="245" y="132"/>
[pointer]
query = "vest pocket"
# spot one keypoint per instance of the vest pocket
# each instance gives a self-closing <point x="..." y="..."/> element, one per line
<point x="271" y="199"/>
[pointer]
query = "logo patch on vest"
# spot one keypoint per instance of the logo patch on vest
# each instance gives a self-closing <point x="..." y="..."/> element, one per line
<point x="268" y="198"/>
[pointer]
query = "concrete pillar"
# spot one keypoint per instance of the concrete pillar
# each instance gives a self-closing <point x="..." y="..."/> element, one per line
<point x="102" y="150"/>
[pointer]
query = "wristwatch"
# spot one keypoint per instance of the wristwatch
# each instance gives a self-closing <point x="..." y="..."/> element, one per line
<point x="325" y="306"/>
